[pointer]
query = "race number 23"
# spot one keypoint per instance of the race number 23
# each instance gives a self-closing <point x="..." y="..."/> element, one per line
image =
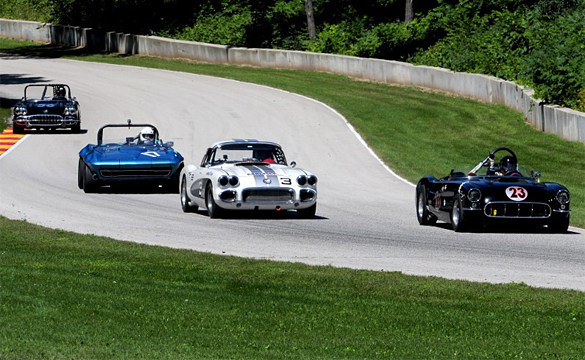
<point x="516" y="193"/>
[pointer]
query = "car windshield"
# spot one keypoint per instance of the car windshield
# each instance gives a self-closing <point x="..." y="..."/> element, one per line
<point x="248" y="153"/>
<point x="46" y="92"/>
<point x="116" y="136"/>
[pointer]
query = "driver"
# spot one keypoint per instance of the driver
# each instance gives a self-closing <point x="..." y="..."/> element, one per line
<point x="146" y="136"/>
<point x="265" y="156"/>
<point x="509" y="166"/>
<point x="59" y="93"/>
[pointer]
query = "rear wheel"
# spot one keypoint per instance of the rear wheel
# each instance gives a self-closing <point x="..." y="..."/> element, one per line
<point x="185" y="198"/>
<point x="213" y="210"/>
<point x="422" y="213"/>
<point x="307" y="213"/>
<point x="89" y="183"/>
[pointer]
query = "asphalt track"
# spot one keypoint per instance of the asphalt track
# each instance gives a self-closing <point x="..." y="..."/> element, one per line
<point x="365" y="215"/>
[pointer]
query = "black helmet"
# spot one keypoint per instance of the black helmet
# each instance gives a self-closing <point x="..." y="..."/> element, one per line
<point x="508" y="163"/>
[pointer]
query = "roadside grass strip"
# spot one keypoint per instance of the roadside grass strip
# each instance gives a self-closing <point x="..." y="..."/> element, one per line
<point x="8" y="139"/>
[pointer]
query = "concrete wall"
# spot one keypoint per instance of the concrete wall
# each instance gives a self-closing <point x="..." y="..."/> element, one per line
<point x="563" y="122"/>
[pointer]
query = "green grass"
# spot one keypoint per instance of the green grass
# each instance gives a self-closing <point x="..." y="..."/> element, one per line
<point x="70" y="296"/>
<point x="415" y="132"/>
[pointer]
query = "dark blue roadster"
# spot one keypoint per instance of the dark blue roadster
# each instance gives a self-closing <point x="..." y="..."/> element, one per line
<point x="496" y="191"/>
<point x="136" y="161"/>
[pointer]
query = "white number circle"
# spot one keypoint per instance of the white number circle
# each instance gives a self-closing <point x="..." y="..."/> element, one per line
<point x="517" y="193"/>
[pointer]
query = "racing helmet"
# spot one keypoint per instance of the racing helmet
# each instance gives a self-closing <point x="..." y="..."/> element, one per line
<point x="508" y="163"/>
<point x="146" y="134"/>
<point x="59" y="92"/>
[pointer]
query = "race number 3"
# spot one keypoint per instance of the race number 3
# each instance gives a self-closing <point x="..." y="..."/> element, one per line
<point x="516" y="193"/>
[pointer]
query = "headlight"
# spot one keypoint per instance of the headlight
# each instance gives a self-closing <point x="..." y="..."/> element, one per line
<point x="312" y="180"/>
<point x="70" y="110"/>
<point x="474" y="195"/>
<point x="234" y="180"/>
<point x="563" y="197"/>
<point x="223" y="180"/>
<point x="20" y="110"/>
<point x="302" y="180"/>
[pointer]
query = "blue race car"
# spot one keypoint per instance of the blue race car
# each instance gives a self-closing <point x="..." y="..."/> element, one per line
<point x="138" y="160"/>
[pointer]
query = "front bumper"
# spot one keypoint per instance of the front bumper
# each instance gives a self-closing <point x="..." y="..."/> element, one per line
<point x="266" y="198"/>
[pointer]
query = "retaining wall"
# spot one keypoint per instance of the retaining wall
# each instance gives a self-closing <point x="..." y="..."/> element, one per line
<point x="563" y="122"/>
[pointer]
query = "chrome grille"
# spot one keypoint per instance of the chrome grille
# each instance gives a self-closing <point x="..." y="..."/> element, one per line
<point x="521" y="210"/>
<point x="267" y="195"/>
<point x="114" y="173"/>
<point x="45" y="119"/>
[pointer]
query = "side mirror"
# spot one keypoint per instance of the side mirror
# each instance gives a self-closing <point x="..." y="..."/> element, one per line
<point x="293" y="164"/>
<point x="536" y="176"/>
<point x="129" y="139"/>
<point x="169" y="144"/>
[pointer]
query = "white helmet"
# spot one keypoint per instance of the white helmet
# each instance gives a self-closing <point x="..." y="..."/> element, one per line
<point x="146" y="134"/>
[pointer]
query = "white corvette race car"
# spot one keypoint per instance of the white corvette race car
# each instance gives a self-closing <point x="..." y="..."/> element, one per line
<point x="247" y="175"/>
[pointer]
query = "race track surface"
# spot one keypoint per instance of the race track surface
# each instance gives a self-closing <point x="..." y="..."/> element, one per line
<point x="365" y="215"/>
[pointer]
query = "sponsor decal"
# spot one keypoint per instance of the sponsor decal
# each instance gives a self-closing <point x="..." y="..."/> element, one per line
<point x="516" y="193"/>
<point x="151" y="154"/>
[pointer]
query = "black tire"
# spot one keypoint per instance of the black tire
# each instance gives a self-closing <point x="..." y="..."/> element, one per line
<point x="559" y="224"/>
<point x="459" y="220"/>
<point x="422" y="213"/>
<point x="213" y="210"/>
<point x="16" y="129"/>
<point x="308" y="213"/>
<point x="80" y="173"/>
<point x="76" y="128"/>
<point x="185" y="198"/>
<point x="89" y="184"/>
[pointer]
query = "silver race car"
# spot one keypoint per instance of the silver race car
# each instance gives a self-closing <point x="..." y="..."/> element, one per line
<point x="246" y="174"/>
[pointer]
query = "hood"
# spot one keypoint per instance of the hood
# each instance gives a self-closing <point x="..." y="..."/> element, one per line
<point x="133" y="155"/>
<point x="46" y="107"/>
<point x="259" y="169"/>
<point x="521" y="190"/>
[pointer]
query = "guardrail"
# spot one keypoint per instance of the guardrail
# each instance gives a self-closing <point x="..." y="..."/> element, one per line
<point x="566" y="123"/>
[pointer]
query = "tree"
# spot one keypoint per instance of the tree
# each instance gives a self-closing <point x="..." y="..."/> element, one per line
<point x="408" y="13"/>
<point x="310" y="19"/>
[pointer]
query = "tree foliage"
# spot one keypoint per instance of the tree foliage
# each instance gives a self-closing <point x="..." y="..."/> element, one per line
<point x="538" y="43"/>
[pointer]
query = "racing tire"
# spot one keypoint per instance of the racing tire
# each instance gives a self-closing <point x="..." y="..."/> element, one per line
<point x="459" y="220"/>
<point x="80" y="172"/>
<point x="422" y="213"/>
<point x="76" y="128"/>
<point x="89" y="184"/>
<point x="185" y="199"/>
<point x="308" y="213"/>
<point x="16" y="129"/>
<point x="559" y="224"/>
<point x="213" y="209"/>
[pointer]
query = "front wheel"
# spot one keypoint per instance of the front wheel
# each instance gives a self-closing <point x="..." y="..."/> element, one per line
<point x="422" y="213"/>
<point x="80" y="170"/>
<point x="213" y="210"/>
<point x="185" y="198"/>
<point x="89" y="183"/>
<point x="559" y="224"/>
<point x="307" y="213"/>
<point x="459" y="220"/>
<point x="17" y="129"/>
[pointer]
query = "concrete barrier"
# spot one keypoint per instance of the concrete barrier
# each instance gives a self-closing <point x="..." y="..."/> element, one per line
<point x="565" y="123"/>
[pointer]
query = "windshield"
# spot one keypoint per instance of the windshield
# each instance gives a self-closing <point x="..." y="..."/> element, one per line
<point x="255" y="153"/>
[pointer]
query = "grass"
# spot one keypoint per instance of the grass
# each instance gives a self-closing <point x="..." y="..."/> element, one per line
<point x="70" y="296"/>
<point x="64" y="295"/>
